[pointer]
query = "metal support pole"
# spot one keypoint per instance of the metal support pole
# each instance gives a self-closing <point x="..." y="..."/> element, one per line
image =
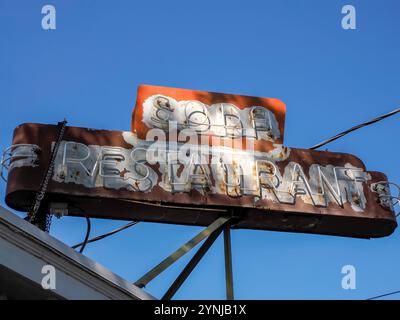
<point x="228" y="263"/>
<point x="192" y="264"/>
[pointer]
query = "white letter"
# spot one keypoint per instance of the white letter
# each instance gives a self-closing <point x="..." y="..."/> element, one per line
<point x="349" y="20"/>
<point x="49" y="280"/>
<point x="349" y="280"/>
<point x="49" y="20"/>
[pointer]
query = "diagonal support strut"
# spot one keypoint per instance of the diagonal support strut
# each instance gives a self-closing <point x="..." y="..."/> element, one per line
<point x="192" y="264"/>
<point x="153" y="273"/>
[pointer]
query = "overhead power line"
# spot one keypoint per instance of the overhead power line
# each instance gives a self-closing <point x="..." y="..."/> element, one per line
<point x="89" y="227"/>
<point x="355" y="128"/>
<point x="384" y="295"/>
<point x="130" y="224"/>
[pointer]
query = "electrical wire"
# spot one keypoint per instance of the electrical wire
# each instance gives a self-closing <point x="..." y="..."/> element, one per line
<point x="130" y="224"/>
<point x="86" y="241"/>
<point x="89" y="227"/>
<point x="340" y="135"/>
<point x="387" y="115"/>
<point x="384" y="295"/>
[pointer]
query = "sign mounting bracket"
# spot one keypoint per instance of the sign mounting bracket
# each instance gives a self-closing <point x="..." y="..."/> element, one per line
<point x="210" y="233"/>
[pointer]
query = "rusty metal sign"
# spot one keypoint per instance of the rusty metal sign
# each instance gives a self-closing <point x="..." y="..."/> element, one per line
<point x="109" y="174"/>
<point x="208" y="118"/>
<point x="192" y="157"/>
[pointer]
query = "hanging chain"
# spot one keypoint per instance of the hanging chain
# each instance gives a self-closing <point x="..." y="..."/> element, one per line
<point x="49" y="218"/>
<point x="32" y="215"/>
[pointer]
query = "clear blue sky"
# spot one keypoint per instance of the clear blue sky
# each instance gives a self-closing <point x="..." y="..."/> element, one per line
<point x="87" y="70"/>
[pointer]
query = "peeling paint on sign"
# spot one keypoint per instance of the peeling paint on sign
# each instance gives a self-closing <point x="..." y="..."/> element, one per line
<point x="23" y="155"/>
<point x="114" y="174"/>
<point x="108" y="167"/>
<point x="213" y="170"/>
<point x="222" y="119"/>
<point x="208" y="114"/>
<point x="208" y="170"/>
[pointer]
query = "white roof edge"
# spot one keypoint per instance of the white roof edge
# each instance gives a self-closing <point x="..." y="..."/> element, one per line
<point x="50" y="246"/>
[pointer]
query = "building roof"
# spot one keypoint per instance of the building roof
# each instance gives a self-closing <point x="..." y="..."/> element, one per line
<point x="25" y="249"/>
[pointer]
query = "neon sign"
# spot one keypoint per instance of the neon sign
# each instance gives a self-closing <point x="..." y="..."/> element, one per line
<point x="192" y="157"/>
